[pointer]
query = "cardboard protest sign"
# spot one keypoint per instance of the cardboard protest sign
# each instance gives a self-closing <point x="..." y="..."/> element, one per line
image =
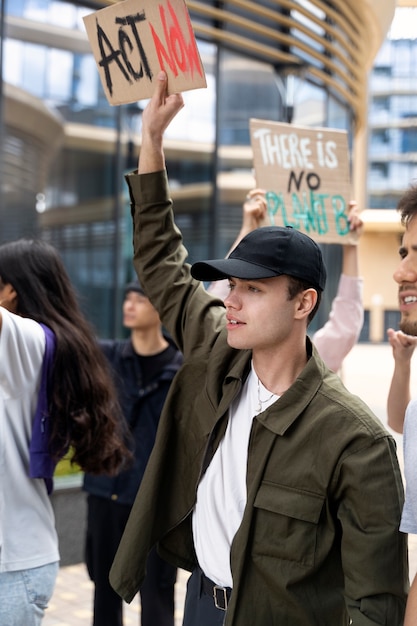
<point x="305" y="172"/>
<point x="134" y="40"/>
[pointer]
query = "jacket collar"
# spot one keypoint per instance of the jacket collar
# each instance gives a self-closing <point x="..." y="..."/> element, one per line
<point x="281" y="415"/>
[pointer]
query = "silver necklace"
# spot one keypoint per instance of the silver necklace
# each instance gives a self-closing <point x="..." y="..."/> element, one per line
<point x="260" y="401"/>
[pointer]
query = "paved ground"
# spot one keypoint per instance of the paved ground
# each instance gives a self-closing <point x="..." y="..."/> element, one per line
<point x="366" y="372"/>
<point x="71" y="604"/>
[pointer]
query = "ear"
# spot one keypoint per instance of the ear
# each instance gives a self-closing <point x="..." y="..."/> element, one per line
<point x="306" y="301"/>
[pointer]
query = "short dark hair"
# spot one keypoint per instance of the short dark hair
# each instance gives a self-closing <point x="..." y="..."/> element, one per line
<point x="135" y="286"/>
<point x="296" y="286"/>
<point x="407" y="206"/>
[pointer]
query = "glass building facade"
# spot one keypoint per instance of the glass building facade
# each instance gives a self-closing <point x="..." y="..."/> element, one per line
<point x="65" y="149"/>
<point x="393" y="113"/>
<point x="392" y="124"/>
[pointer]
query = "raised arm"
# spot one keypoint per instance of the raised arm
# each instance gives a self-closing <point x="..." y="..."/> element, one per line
<point x="253" y="214"/>
<point x="156" y="118"/>
<point x="340" y="333"/>
<point x="160" y="257"/>
<point x="399" y="394"/>
<point x="350" y="262"/>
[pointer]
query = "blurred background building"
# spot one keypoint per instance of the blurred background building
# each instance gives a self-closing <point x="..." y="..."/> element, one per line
<point x="392" y="164"/>
<point x="312" y="62"/>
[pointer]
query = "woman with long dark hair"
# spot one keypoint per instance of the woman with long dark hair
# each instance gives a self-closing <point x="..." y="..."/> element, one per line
<point x="39" y="308"/>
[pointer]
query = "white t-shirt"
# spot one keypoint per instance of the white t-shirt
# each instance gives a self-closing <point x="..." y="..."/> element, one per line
<point x="409" y="516"/>
<point x="221" y="494"/>
<point x="27" y="526"/>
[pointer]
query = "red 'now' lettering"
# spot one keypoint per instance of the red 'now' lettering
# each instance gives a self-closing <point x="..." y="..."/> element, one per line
<point x="176" y="53"/>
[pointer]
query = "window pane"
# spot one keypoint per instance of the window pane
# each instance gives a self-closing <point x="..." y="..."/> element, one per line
<point x="59" y="74"/>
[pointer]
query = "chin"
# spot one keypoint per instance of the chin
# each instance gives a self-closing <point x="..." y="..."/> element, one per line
<point x="409" y="327"/>
<point x="237" y="345"/>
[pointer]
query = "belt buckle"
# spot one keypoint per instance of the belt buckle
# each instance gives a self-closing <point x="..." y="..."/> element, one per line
<point x="216" y="588"/>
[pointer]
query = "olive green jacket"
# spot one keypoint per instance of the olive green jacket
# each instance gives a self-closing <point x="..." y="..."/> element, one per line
<point x="319" y="539"/>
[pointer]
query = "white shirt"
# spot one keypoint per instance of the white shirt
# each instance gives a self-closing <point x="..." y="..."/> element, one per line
<point x="221" y="494"/>
<point x="27" y="527"/>
<point x="409" y="516"/>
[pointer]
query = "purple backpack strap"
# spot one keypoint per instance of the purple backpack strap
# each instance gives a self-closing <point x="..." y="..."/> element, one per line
<point x="41" y="465"/>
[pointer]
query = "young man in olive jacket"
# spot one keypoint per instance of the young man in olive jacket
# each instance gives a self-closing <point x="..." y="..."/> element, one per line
<point x="143" y="367"/>
<point x="269" y="481"/>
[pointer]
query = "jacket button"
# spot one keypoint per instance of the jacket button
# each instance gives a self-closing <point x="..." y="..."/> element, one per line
<point x="114" y="496"/>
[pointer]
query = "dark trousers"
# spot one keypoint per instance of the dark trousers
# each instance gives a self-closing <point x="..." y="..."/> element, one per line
<point x="106" y="521"/>
<point x="199" y="609"/>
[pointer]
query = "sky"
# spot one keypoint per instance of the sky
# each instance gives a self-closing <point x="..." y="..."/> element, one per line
<point x="404" y="24"/>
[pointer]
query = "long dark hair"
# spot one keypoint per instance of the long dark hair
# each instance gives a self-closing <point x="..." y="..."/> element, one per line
<point x="84" y="410"/>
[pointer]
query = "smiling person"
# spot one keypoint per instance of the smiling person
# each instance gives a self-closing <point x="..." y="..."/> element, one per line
<point x="404" y="342"/>
<point x="275" y="487"/>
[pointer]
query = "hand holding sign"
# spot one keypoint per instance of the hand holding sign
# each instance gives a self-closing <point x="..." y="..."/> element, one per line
<point x="134" y="40"/>
<point x="306" y="174"/>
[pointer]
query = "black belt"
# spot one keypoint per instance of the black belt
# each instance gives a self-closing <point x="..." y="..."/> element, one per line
<point x="220" y="595"/>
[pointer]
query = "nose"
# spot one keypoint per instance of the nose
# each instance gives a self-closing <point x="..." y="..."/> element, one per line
<point x="406" y="271"/>
<point x="232" y="300"/>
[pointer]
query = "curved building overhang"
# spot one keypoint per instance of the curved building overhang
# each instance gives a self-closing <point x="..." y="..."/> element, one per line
<point x="331" y="44"/>
<point x="32" y="134"/>
<point x="31" y="116"/>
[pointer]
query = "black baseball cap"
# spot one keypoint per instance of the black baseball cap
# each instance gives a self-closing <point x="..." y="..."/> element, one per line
<point x="266" y="252"/>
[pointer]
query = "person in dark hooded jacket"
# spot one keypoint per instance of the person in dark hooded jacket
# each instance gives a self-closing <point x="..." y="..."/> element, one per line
<point x="143" y="366"/>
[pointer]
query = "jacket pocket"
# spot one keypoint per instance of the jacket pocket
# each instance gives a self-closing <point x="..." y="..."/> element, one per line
<point x="286" y="523"/>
